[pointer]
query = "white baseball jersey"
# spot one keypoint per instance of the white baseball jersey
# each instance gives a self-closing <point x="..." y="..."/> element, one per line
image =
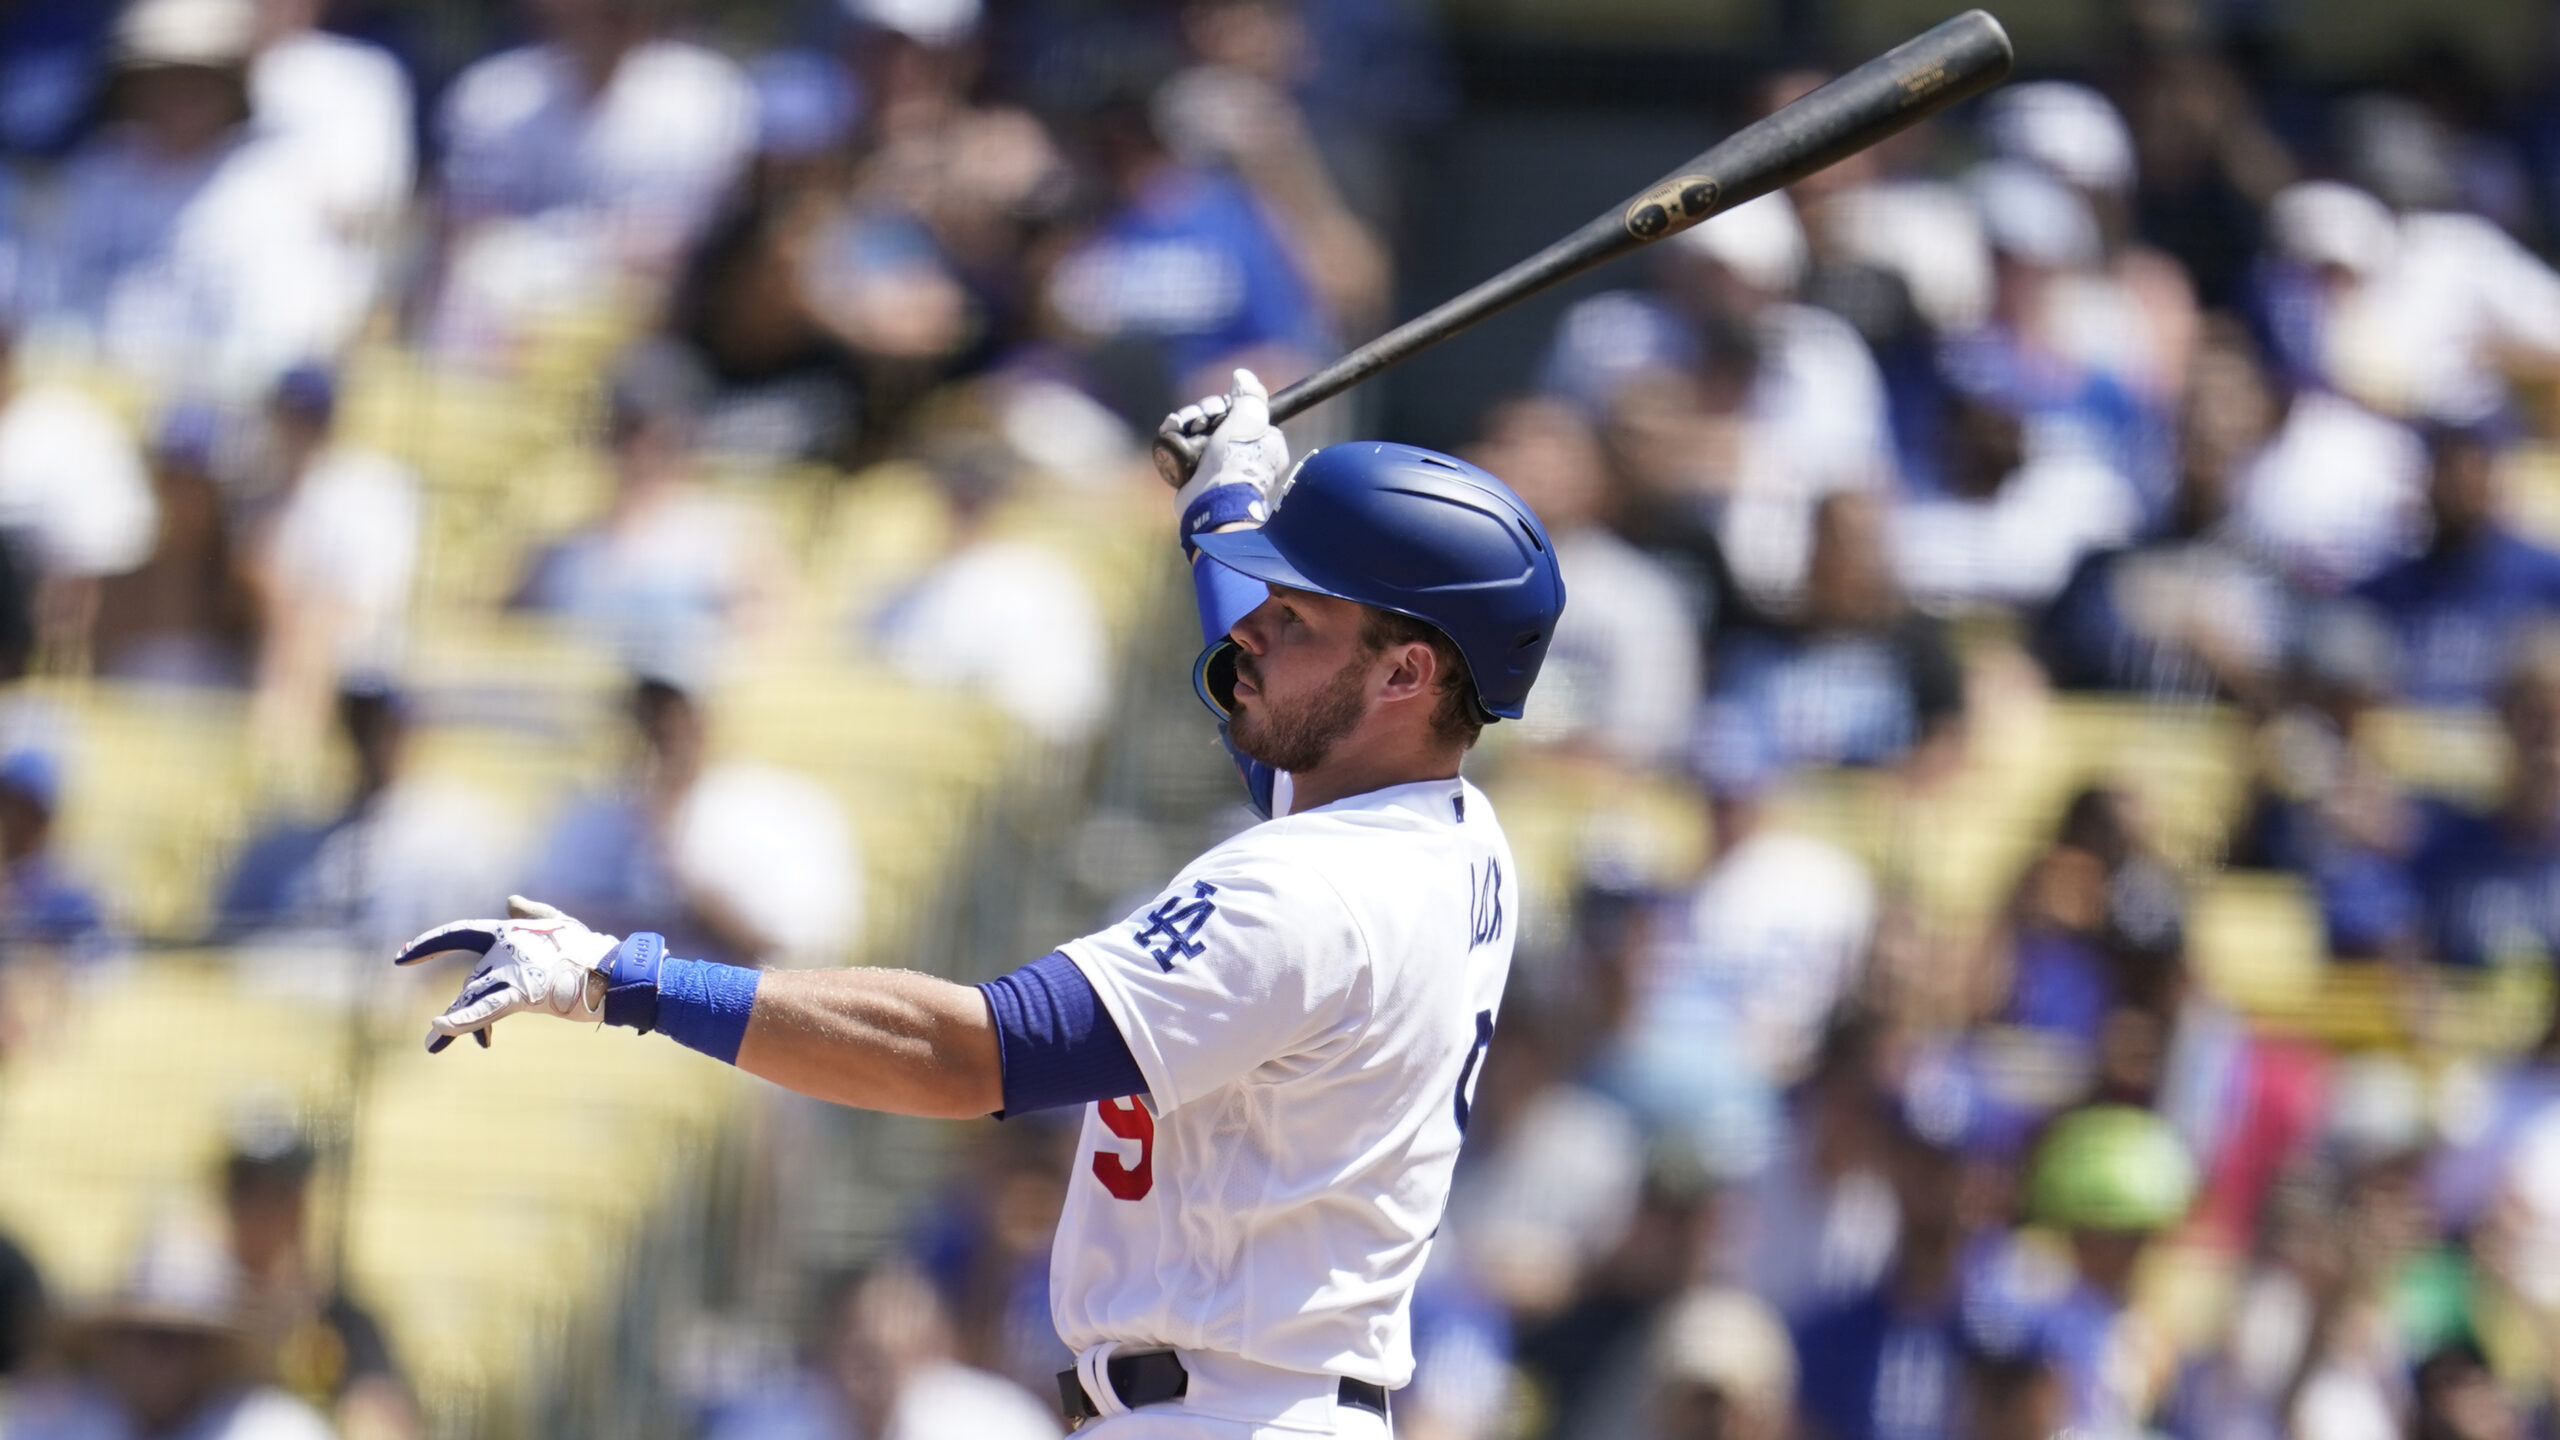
<point x="1310" y="1003"/>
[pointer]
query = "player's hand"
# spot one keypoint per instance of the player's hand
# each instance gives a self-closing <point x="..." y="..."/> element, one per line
<point x="535" y="959"/>
<point x="1241" y="458"/>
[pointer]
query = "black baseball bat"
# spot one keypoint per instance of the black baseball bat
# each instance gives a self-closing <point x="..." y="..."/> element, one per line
<point x="1900" y="88"/>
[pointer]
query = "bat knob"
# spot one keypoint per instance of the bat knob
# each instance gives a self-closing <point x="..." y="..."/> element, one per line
<point x="1177" y="454"/>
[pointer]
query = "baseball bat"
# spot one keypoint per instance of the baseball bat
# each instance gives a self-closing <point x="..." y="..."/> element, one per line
<point x="1953" y="61"/>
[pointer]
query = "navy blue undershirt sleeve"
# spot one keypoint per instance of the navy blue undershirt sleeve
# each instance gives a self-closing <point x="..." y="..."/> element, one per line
<point x="1054" y="1041"/>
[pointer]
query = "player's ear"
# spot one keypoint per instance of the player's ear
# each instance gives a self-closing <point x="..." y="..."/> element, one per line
<point x="1412" y="669"/>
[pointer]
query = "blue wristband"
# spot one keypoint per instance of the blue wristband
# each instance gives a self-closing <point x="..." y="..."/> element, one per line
<point x="631" y="982"/>
<point x="704" y="1006"/>
<point x="1220" y="506"/>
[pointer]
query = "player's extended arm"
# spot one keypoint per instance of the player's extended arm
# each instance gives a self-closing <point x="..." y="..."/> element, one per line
<point x="887" y="1040"/>
<point x="879" y="1039"/>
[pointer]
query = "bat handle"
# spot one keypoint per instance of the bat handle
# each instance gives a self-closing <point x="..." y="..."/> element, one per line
<point x="1177" y="454"/>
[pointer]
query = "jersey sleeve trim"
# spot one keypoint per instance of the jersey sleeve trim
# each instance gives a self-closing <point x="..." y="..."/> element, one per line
<point x="1055" y="1046"/>
<point x="1159" y="1091"/>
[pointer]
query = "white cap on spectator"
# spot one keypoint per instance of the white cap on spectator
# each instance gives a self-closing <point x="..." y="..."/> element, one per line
<point x="1759" y="240"/>
<point x="2325" y="222"/>
<point x="2071" y="130"/>
<point x="217" y="34"/>
<point x="1729" y="1339"/>
<point x="2034" y="217"/>
<point x="927" y="22"/>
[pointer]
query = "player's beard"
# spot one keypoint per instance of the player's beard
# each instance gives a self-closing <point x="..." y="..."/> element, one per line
<point x="1298" y="739"/>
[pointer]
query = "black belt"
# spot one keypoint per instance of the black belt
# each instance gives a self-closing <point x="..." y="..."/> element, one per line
<point x="1157" y="1376"/>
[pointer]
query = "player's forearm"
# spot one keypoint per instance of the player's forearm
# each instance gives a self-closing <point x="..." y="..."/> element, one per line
<point x="878" y="1039"/>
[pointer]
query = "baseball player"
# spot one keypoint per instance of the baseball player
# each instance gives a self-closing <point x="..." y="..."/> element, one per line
<point x="1275" y="1055"/>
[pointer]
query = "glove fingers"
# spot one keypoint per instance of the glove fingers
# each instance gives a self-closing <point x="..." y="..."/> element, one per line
<point x="519" y="908"/>
<point x="472" y="935"/>
<point x="476" y="1008"/>
<point x="436" y="1040"/>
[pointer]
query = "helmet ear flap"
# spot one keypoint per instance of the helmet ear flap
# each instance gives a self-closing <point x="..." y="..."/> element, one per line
<point x="1213" y="676"/>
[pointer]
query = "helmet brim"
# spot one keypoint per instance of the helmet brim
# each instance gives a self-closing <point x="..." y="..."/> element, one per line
<point x="1251" y="553"/>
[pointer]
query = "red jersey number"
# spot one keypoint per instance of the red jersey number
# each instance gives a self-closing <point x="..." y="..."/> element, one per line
<point x="1128" y="1119"/>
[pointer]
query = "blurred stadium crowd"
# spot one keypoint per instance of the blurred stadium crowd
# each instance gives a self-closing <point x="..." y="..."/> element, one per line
<point x="2044" y="806"/>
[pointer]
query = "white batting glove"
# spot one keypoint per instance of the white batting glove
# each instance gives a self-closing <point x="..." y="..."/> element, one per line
<point x="1241" y="462"/>
<point x="536" y="959"/>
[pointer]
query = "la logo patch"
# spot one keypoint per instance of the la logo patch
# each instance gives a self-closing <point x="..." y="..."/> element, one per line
<point x="1176" y="923"/>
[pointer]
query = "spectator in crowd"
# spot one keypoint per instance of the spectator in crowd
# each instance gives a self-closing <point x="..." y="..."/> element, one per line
<point x="2023" y="493"/>
<point x="2339" y="491"/>
<point x="1756" y="955"/>
<point x="1820" y="1223"/>
<point x="2206" y="157"/>
<point x="2013" y="1386"/>
<point x="2454" y="301"/>
<point x="1180" y="279"/>
<point x="787" y="384"/>
<point x="673" y="576"/>
<point x="381" y="867"/>
<point x="1855" y="676"/>
<point x="1621" y="674"/>
<point x="184" y="245"/>
<point x="2094" y="931"/>
<point x="737" y="861"/>
<point x="2458" y="608"/>
<point x="1553" y="1174"/>
<point x="2108" y="1178"/>
<point x="170" y="1355"/>
<point x="184" y="615"/>
<point x="1592" y="1356"/>
<point x="1723" y="1369"/>
<point x="1006" y="618"/>
<point x="314" y="1339"/>
<point x="1462" y="1350"/>
<point x="76" y="506"/>
<point x="2489" y="883"/>
<point x="2048" y="340"/>
<point x="328" y="556"/>
<point x="2458" y="1396"/>
<point x="44" y="909"/>
<point x="883" y="1366"/>
<point x="1723" y="388"/>
<point x="343" y="110"/>
<point x="2133" y="315"/>
<point x="925" y="265"/>
<point x="2194" y="611"/>
<point x="984" y="1238"/>
<point x="1235" y="110"/>
<point x="2324" y="804"/>
<point x="578" y="169"/>
<point x="1882" y="1363"/>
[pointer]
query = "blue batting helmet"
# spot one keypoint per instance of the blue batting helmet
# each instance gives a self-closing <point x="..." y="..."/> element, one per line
<point x="1416" y="532"/>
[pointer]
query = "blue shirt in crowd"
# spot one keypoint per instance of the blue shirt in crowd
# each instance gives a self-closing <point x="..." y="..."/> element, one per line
<point x="2458" y="612"/>
<point x="2490" y="889"/>
<point x="1868" y="1371"/>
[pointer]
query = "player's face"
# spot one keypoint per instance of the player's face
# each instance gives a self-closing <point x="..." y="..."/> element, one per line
<point x="1302" y="681"/>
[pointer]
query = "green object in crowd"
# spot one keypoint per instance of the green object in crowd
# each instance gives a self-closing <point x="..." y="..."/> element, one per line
<point x="2111" y="1167"/>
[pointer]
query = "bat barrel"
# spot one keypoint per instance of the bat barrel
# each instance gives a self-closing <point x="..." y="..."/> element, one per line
<point x="1949" y="63"/>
